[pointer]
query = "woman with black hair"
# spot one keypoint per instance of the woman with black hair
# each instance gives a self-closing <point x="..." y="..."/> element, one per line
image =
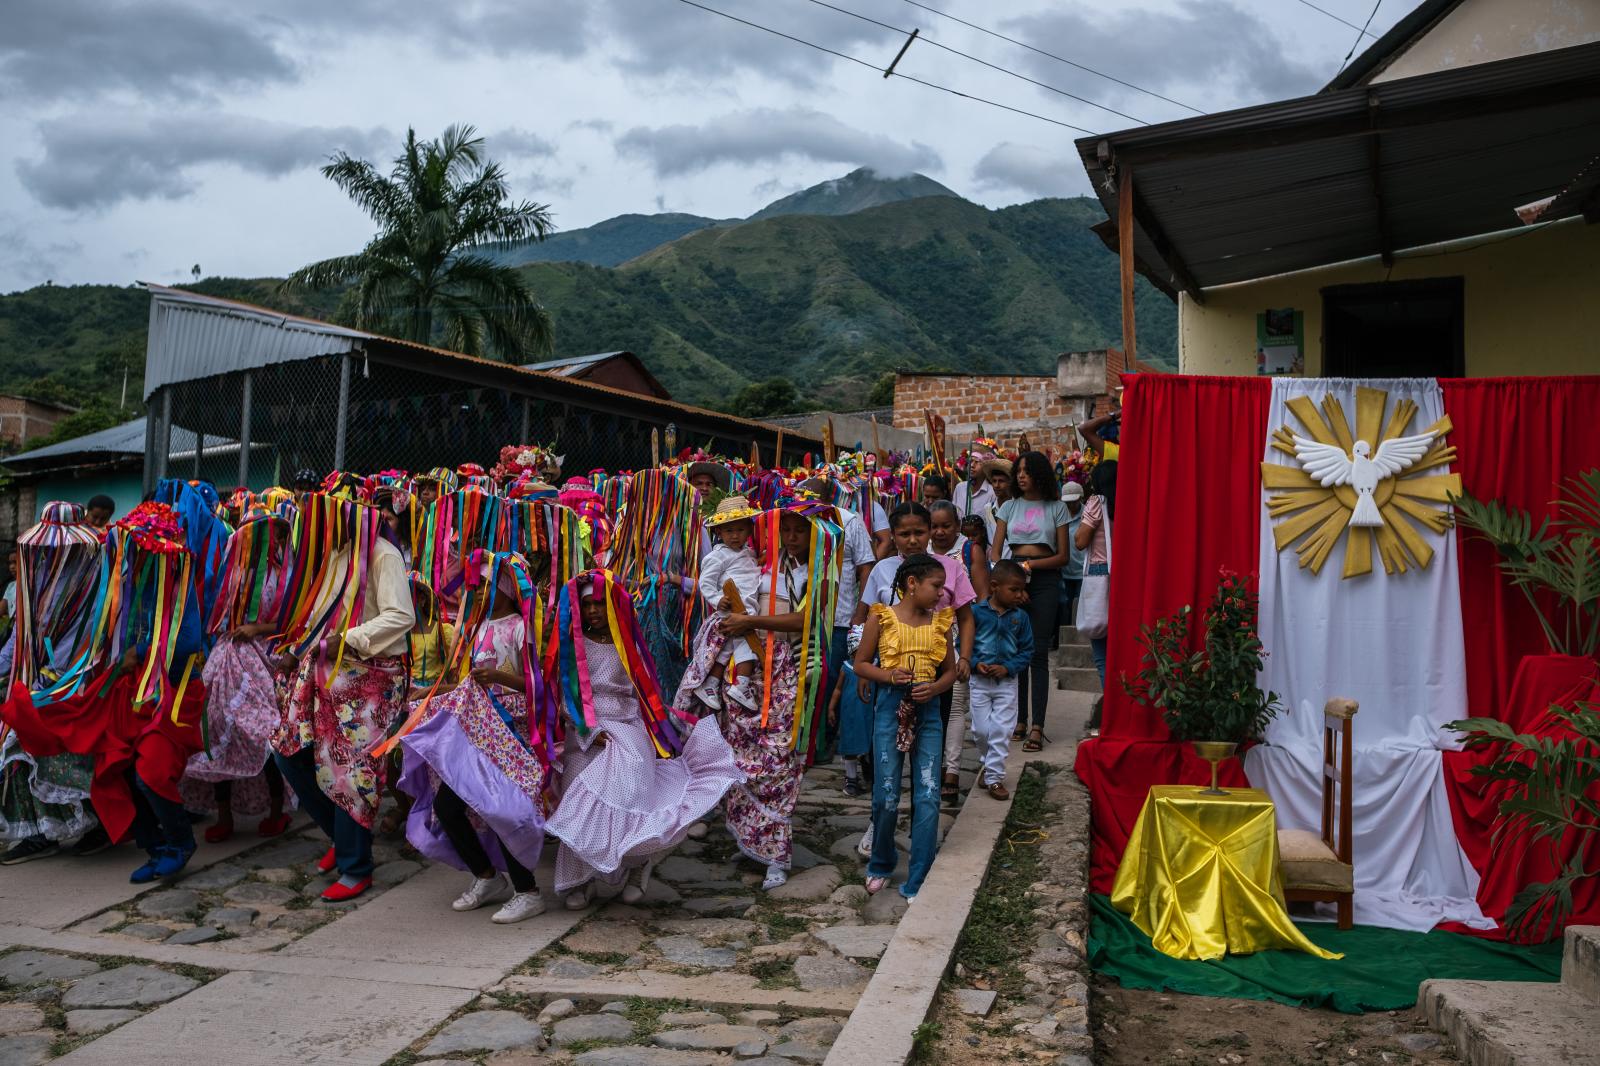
<point x="1093" y="536"/>
<point x="1033" y="526"/>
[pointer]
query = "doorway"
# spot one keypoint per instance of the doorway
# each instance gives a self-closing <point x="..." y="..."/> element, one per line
<point x="1394" y="329"/>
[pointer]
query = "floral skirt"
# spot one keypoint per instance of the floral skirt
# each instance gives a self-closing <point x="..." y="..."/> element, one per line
<point x="467" y="745"/>
<point x="761" y="810"/>
<point x="243" y="696"/>
<point x="708" y="644"/>
<point x="343" y="718"/>
<point x="42" y="796"/>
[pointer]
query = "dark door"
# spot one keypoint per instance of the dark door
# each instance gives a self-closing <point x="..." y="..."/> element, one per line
<point x="1393" y="329"/>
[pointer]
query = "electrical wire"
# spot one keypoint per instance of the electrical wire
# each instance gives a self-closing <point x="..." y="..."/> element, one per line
<point x="1052" y="55"/>
<point x="982" y="62"/>
<point x="1370" y="15"/>
<point x="876" y="69"/>
<point x="1336" y="18"/>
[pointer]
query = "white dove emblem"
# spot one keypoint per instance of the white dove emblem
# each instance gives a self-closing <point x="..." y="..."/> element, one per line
<point x="1362" y="470"/>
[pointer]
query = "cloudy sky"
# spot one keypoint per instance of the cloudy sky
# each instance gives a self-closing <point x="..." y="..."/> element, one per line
<point x="141" y="137"/>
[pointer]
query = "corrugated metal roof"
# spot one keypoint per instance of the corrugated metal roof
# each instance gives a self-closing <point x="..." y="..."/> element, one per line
<point x="124" y="441"/>
<point x="1288" y="186"/>
<point x="194" y="336"/>
<point x="558" y="366"/>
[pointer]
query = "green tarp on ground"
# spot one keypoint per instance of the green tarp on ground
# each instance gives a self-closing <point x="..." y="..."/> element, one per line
<point x="1381" y="968"/>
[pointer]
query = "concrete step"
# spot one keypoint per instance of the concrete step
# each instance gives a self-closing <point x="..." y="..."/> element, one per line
<point x="1069" y="635"/>
<point x="1075" y="655"/>
<point x="1077" y="678"/>
<point x="1511" y="1023"/>
<point x="1580" y="961"/>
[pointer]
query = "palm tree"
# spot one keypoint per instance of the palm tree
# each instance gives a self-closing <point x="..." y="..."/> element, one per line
<point x="418" y="278"/>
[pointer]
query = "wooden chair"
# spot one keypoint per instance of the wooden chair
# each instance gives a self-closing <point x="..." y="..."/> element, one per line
<point x="1318" y="868"/>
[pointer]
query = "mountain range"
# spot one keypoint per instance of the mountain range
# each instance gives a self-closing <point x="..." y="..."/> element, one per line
<point x="831" y="287"/>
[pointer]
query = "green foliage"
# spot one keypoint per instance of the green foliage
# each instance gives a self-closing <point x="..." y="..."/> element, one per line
<point x="91" y="419"/>
<point x="1000" y="925"/>
<point x="1561" y="558"/>
<point x="882" y="394"/>
<point x="1211" y="693"/>
<point x="1552" y="787"/>
<point x="775" y="396"/>
<point x="924" y="1039"/>
<point x="423" y="277"/>
<point x="609" y="243"/>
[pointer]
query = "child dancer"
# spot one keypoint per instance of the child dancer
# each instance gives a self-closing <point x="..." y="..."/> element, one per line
<point x="625" y="798"/>
<point x="911" y="643"/>
<point x="242" y="689"/>
<point x="733" y="558"/>
<point x="1001" y="651"/>
<point x="474" y="769"/>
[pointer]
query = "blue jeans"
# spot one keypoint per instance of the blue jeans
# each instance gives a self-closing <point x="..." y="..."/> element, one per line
<point x="1097" y="648"/>
<point x="352" y="843"/>
<point x="157" y="821"/>
<point x="927" y="752"/>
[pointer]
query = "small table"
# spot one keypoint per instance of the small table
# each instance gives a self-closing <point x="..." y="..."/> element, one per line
<point x="1200" y="875"/>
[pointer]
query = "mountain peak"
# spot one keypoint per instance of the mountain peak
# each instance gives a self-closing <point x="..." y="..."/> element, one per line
<point x="856" y="191"/>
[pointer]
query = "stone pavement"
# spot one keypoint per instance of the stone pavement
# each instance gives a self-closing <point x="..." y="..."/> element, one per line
<point x="239" y="962"/>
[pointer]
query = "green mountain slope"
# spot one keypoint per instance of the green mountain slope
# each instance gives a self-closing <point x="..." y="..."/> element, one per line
<point x="834" y="302"/>
<point x="829" y="302"/>
<point x="608" y="243"/>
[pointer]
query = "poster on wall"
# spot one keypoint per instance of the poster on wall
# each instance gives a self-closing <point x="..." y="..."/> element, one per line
<point x="1281" y="341"/>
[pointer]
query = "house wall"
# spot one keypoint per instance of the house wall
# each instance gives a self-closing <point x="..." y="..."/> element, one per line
<point x="1529" y="305"/>
<point x="24" y="420"/>
<point x="124" y="486"/>
<point x="1005" y="405"/>
<point x="620" y="374"/>
<point x="1481" y="31"/>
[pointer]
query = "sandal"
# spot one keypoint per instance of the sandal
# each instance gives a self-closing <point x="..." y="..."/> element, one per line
<point x="1019" y="732"/>
<point x="1036" y="740"/>
<point x="950" y="793"/>
<point x="876" y="885"/>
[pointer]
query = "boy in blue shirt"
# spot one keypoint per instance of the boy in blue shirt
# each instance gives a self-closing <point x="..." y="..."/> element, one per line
<point x="1001" y="649"/>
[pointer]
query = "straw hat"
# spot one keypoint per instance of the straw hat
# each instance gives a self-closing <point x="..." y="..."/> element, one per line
<point x="732" y="509"/>
<point x="720" y="475"/>
<point x="989" y="466"/>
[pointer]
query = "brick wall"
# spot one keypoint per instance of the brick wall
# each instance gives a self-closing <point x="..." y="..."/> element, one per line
<point x="22" y="420"/>
<point x="1007" y="406"/>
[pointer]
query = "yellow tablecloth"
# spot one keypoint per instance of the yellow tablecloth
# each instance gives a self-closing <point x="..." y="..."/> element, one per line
<point x="1200" y="875"/>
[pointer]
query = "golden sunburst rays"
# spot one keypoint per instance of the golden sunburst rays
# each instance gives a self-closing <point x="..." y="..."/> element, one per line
<point x="1314" y="518"/>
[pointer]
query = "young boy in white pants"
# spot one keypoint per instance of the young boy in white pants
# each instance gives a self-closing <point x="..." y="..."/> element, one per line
<point x="1002" y="645"/>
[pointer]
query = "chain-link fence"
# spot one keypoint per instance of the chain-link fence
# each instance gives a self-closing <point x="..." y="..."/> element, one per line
<point x="258" y="427"/>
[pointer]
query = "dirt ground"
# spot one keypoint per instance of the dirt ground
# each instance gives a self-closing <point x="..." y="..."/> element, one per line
<point x="1133" y="1027"/>
<point x="1157" y="1027"/>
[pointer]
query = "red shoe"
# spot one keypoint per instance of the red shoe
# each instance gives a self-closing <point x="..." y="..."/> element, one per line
<point x="337" y="893"/>
<point x="327" y="862"/>
<point x="216" y="834"/>
<point x="272" y="826"/>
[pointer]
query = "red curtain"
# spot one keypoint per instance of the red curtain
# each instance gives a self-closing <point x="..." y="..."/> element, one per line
<point x="1188" y="504"/>
<point x="1518" y="439"/>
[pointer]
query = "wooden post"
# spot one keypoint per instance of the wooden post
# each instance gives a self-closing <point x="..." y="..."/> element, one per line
<point x="1125" y="253"/>
<point x="655" y="447"/>
<point x="777" y="455"/>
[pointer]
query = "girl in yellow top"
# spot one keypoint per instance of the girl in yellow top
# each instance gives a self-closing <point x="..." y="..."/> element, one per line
<point x="911" y="643"/>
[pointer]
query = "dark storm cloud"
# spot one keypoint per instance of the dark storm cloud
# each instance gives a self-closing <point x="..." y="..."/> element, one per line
<point x="1204" y="44"/>
<point x="97" y="159"/>
<point x="76" y="48"/>
<point x="765" y="135"/>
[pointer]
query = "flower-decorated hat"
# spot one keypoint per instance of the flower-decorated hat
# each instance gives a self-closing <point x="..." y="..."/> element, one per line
<point x="732" y="509"/>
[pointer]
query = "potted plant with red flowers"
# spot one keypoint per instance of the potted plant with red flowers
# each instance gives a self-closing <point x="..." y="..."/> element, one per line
<point x="1208" y="695"/>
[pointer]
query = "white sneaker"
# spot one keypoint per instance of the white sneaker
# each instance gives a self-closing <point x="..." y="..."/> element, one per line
<point x="864" y="848"/>
<point x="709" y="693"/>
<point x="481" y="891"/>
<point x="777" y="876"/>
<point x="634" y="890"/>
<point x="520" y="906"/>
<point x="578" y="899"/>
<point x="698" y="831"/>
<point x="744" y="694"/>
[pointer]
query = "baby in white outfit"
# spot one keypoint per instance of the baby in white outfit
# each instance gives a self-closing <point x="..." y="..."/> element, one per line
<point x="731" y="558"/>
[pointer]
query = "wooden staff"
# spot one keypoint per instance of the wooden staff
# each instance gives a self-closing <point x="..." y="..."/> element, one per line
<point x="736" y="606"/>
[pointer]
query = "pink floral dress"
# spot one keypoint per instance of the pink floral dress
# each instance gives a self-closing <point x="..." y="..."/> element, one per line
<point x="343" y="717"/>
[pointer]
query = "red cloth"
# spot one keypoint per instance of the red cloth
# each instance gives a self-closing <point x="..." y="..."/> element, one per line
<point x="1517" y="440"/>
<point x="1512" y="863"/>
<point x="1188" y="504"/>
<point x="119" y="735"/>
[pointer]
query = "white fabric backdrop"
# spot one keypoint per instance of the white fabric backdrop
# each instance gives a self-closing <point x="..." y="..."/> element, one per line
<point x="1394" y="644"/>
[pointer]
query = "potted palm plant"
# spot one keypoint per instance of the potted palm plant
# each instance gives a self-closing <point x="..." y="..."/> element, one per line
<point x="1208" y="695"/>
<point x="1544" y="771"/>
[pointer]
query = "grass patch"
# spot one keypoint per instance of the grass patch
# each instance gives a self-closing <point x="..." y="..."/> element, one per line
<point x="781" y="925"/>
<point x="773" y="973"/>
<point x="924" y="1041"/>
<point x="1000" y="925"/>
<point x="645" y="1014"/>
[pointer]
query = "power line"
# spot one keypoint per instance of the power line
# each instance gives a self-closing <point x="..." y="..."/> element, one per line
<point x="1336" y="18"/>
<point x="1357" y="42"/>
<point x="983" y="62"/>
<point x="875" y="69"/>
<point x="1052" y="55"/>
